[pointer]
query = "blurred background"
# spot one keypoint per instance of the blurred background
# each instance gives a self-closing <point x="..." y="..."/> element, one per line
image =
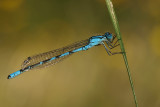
<point x="85" y="79"/>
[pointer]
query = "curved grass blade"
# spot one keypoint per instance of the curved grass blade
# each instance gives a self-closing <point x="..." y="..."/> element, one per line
<point x="118" y="34"/>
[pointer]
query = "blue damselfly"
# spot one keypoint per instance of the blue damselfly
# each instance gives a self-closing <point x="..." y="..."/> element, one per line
<point x="54" y="56"/>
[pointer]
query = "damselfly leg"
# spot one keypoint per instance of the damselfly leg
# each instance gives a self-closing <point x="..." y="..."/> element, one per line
<point x="109" y="43"/>
<point x="112" y="45"/>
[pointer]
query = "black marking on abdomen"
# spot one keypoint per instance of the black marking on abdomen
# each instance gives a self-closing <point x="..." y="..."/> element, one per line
<point x="84" y="48"/>
<point x="97" y="45"/>
<point x="46" y="60"/>
<point x="21" y="70"/>
<point x="32" y="66"/>
<point x="70" y="52"/>
<point x="58" y="56"/>
<point x="8" y="77"/>
<point x="26" y="68"/>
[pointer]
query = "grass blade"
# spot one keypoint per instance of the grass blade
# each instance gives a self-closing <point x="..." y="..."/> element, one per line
<point x="118" y="34"/>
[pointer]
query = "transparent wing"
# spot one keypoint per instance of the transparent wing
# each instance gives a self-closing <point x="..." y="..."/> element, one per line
<point x="33" y="60"/>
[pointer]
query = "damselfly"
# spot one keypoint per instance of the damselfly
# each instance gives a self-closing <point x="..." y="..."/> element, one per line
<point x="54" y="56"/>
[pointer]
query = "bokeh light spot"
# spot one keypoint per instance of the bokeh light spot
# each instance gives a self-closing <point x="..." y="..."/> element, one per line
<point x="10" y="5"/>
<point x="154" y="40"/>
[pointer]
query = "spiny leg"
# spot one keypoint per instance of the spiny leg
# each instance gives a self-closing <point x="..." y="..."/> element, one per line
<point x="109" y="52"/>
<point x="112" y="46"/>
<point x="117" y="53"/>
<point x="116" y="40"/>
<point x="109" y="43"/>
<point x="106" y="49"/>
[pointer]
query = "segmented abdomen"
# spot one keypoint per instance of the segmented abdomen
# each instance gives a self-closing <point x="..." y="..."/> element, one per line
<point x="52" y="57"/>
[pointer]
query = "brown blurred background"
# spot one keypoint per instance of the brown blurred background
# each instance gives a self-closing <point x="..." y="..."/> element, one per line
<point x="85" y="79"/>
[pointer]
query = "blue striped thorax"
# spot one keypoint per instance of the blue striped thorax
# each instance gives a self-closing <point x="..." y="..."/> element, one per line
<point x="97" y="40"/>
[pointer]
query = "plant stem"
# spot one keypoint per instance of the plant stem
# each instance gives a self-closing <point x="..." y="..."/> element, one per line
<point x="118" y="34"/>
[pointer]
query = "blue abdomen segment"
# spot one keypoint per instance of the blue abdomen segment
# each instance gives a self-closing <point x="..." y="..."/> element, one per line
<point x="67" y="53"/>
<point x="47" y="61"/>
<point x="14" y="74"/>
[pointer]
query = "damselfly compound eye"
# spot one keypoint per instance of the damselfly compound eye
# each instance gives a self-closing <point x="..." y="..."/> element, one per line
<point x="109" y="36"/>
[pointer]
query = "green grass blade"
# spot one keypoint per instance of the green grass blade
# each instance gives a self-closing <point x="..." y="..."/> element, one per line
<point x="118" y="34"/>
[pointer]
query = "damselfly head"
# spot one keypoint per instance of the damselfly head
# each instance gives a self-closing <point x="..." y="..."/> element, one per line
<point x="109" y="36"/>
